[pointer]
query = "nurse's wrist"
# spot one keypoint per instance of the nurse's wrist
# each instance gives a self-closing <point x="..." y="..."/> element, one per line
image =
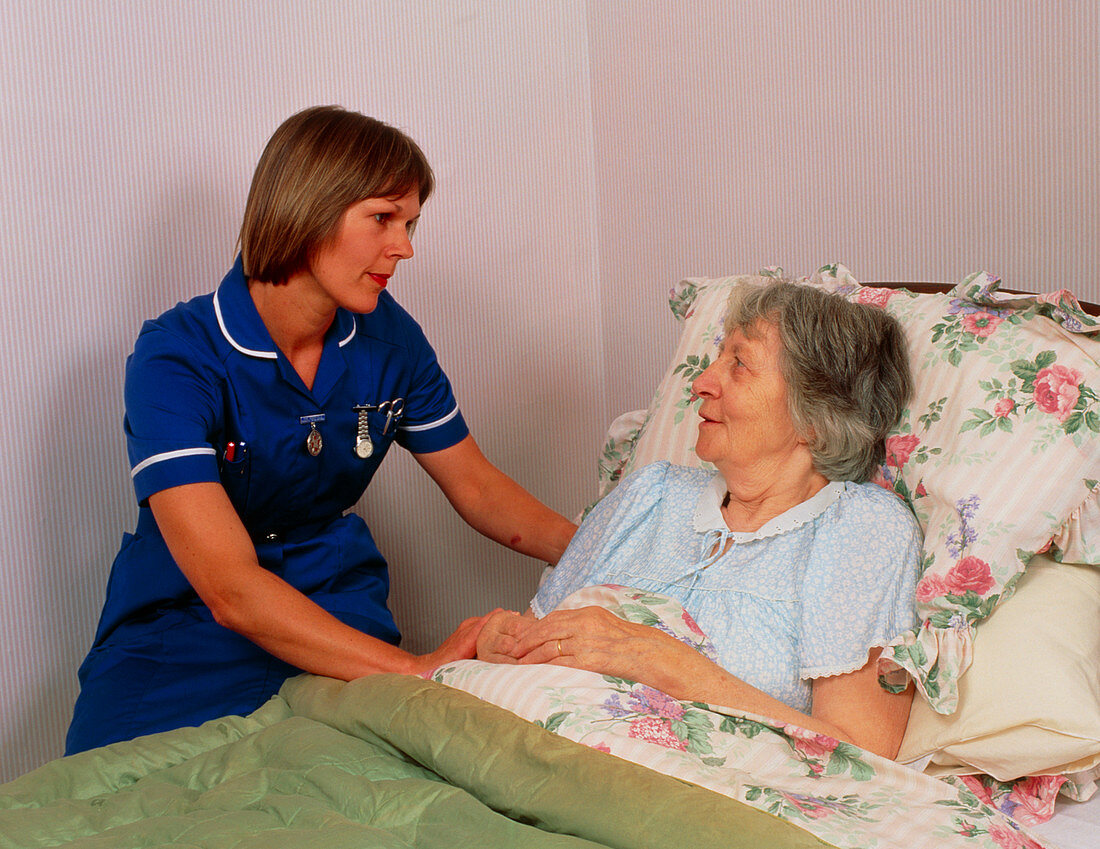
<point x="413" y="664"/>
<point x="396" y="661"/>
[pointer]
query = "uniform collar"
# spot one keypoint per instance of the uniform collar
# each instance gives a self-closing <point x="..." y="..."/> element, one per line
<point x="242" y="327"/>
<point x="708" y="511"/>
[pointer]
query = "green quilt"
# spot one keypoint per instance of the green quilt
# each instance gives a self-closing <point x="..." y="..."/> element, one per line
<point x="385" y="761"/>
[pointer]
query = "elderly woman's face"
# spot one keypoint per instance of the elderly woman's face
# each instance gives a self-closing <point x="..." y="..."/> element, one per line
<point x="745" y="420"/>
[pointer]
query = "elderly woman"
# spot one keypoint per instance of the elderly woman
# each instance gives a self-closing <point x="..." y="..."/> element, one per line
<point x="797" y="569"/>
<point x="256" y="416"/>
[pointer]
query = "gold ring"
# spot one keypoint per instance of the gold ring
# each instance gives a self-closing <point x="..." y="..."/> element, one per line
<point x="560" y="652"/>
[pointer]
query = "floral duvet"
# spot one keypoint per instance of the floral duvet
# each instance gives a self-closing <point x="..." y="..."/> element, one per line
<point x="834" y="790"/>
<point x="395" y="761"/>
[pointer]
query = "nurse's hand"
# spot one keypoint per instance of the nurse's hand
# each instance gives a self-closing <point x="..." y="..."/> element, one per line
<point x="460" y="645"/>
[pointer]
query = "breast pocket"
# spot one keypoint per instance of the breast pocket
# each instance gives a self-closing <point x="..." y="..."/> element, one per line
<point x="234" y="467"/>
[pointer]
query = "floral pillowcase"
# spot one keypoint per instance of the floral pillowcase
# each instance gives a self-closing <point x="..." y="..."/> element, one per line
<point x="998" y="453"/>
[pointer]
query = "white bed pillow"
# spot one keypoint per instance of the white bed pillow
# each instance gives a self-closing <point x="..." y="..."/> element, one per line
<point x="1030" y="702"/>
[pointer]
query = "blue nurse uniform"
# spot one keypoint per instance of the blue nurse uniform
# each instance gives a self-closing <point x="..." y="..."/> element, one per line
<point x="209" y="397"/>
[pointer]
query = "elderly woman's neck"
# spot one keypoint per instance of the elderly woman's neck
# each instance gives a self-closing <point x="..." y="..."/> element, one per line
<point x="756" y="496"/>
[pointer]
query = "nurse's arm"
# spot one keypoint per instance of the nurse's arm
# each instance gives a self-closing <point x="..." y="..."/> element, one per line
<point x="215" y="553"/>
<point x="494" y="504"/>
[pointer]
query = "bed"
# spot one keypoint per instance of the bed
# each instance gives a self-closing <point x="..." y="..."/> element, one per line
<point x="998" y="455"/>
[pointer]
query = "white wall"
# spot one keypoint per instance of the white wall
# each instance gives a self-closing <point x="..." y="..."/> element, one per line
<point x="910" y="141"/>
<point x="588" y="155"/>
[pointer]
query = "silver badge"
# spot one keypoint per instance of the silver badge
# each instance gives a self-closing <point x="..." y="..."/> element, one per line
<point x="314" y="442"/>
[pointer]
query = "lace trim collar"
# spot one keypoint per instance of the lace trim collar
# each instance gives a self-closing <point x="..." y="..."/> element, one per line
<point x="708" y="512"/>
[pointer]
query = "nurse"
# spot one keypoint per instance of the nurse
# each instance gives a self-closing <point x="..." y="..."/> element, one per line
<point x="255" y="418"/>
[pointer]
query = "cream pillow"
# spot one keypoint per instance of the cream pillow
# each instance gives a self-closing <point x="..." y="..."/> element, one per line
<point x="1030" y="702"/>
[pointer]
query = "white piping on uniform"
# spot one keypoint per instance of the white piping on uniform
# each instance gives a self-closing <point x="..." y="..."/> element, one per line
<point x="267" y="355"/>
<point x="169" y="455"/>
<point x="351" y="335"/>
<point x="436" y="423"/>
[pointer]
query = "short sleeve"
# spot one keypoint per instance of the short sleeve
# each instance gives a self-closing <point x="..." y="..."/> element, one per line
<point x="172" y="408"/>
<point x="431" y="420"/>
<point x="859" y="585"/>
<point x="617" y="529"/>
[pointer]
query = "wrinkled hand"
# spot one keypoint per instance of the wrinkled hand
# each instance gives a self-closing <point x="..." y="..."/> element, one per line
<point x="499" y="637"/>
<point x="594" y="639"/>
<point x="460" y="645"/>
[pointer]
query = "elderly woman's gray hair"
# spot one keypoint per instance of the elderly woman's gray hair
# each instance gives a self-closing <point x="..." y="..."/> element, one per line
<point x="846" y="366"/>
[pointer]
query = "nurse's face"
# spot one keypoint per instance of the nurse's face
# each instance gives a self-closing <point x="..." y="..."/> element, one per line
<point x="372" y="236"/>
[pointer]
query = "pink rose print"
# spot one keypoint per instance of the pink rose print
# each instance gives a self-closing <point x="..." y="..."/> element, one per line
<point x="812" y="747"/>
<point x="1057" y="390"/>
<point x="875" y="297"/>
<point x="970" y="573"/>
<point x="809" y="744"/>
<point x="975" y="786"/>
<point x="930" y="587"/>
<point x="920" y="491"/>
<point x="1003" y="407"/>
<point x="1057" y="297"/>
<point x="899" y="448"/>
<point x="691" y="624"/>
<point x="1006" y="836"/>
<point x="1034" y="798"/>
<point x="602" y="747"/>
<point x="655" y="730"/>
<point x="981" y="324"/>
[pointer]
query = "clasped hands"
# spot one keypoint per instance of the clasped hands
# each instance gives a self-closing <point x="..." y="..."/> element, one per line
<point x="587" y="638"/>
